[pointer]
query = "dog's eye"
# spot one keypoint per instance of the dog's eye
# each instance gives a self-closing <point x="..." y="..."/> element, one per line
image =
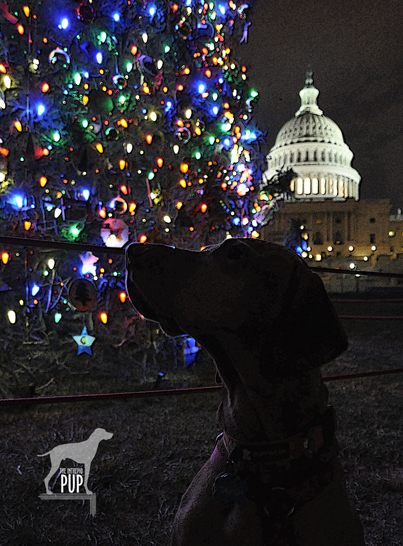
<point x="236" y="252"/>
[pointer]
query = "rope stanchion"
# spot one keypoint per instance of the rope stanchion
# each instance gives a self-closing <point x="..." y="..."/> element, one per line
<point x="168" y="392"/>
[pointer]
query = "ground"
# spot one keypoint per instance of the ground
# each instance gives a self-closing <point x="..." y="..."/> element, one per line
<point x="160" y="443"/>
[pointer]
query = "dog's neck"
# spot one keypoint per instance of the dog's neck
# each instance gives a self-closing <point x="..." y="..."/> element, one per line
<point x="272" y="411"/>
<point x="255" y="408"/>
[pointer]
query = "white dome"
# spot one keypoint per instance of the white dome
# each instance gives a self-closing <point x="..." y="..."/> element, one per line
<point x="313" y="146"/>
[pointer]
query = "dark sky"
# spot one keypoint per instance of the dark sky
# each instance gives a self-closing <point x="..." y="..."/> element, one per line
<point x="355" y="48"/>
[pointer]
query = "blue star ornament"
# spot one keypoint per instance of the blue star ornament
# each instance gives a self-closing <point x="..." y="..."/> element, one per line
<point x="84" y="342"/>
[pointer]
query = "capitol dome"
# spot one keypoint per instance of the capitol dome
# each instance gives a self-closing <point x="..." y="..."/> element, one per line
<point x="313" y="146"/>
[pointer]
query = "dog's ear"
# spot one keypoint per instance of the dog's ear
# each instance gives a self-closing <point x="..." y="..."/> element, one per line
<point x="307" y="333"/>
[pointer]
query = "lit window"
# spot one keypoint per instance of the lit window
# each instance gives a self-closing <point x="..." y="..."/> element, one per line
<point x="307" y="186"/>
<point x="315" y="186"/>
<point x="335" y="187"/>
<point x="323" y="186"/>
<point x="299" y="186"/>
<point x="341" y="188"/>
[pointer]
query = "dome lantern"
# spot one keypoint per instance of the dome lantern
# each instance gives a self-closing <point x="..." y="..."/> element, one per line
<point x="309" y="95"/>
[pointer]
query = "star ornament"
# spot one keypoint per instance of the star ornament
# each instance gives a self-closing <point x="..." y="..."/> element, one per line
<point x="84" y="342"/>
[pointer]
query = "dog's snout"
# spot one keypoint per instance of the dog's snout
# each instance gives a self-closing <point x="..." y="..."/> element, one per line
<point x="139" y="255"/>
<point x="138" y="249"/>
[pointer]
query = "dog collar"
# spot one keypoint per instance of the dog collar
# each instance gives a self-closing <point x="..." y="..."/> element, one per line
<point x="306" y="443"/>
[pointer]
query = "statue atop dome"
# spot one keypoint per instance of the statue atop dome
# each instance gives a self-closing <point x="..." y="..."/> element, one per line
<point x="309" y="95"/>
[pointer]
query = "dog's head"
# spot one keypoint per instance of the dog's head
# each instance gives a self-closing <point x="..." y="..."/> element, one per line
<point x="253" y="292"/>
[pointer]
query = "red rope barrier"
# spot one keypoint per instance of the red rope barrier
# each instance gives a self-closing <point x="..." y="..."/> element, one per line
<point x="354" y="272"/>
<point x="376" y="317"/>
<point x="60" y="245"/>
<point x="167" y="392"/>
<point x="24" y="241"/>
<point x="389" y="300"/>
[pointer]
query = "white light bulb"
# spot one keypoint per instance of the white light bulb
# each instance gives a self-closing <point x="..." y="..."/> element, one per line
<point x="12" y="317"/>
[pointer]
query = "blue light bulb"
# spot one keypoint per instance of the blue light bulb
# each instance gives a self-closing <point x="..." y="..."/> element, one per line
<point x="64" y="24"/>
<point x="35" y="289"/>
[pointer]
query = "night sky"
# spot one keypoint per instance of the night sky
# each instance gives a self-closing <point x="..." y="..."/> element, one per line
<point x="355" y="49"/>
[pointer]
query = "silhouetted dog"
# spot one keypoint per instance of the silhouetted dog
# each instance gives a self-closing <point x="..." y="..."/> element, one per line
<point x="273" y="478"/>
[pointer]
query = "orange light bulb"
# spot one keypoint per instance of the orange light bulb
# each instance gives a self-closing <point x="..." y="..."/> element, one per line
<point x="5" y="257"/>
<point x="104" y="317"/>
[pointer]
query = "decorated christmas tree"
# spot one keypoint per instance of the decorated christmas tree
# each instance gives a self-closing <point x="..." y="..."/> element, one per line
<point x="124" y="121"/>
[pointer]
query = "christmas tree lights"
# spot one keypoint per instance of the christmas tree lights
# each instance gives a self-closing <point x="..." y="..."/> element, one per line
<point x="121" y="121"/>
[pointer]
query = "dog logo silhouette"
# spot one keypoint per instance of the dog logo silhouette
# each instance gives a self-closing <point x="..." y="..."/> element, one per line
<point x="80" y="452"/>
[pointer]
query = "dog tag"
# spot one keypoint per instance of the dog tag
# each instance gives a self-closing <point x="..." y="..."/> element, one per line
<point x="230" y="488"/>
